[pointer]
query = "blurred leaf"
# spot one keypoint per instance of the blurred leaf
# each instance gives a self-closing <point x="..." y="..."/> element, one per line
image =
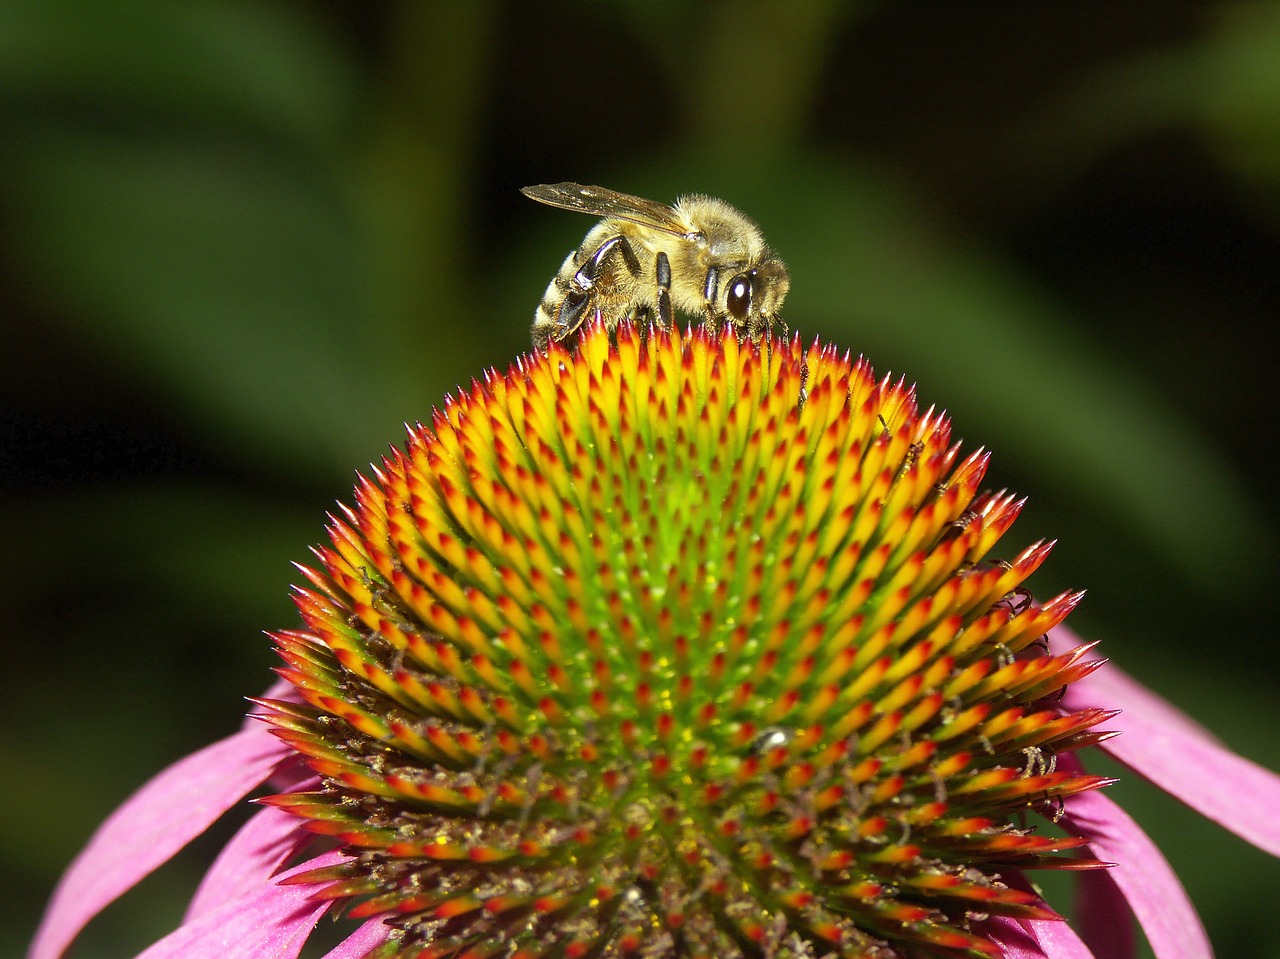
<point x="241" y="64"/>
<point x="1239" y="95"/>
<point x="157" y="552"/>
<point x="1225" y="85"/>
<point x="758" y="66"/>
<point x="418" y="159"/>
<point x="228" y="279"/>
<point x="180" y="180"/>
<point x="156" y="170"/>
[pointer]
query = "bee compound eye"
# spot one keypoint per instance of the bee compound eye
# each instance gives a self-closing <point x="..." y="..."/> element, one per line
<point x="739" y="299"/>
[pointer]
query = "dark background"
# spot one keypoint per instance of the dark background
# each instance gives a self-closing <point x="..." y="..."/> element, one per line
<point x="242" y="243"/>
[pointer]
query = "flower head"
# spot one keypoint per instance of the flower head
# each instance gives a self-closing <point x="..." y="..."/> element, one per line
<point x="675" y="645"/>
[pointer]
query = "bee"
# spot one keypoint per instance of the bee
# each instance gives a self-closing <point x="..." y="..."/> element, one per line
<point x="700" y="256"/>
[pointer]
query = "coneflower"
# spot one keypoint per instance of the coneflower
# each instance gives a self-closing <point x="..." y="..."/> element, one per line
<point x="673" y="645"/>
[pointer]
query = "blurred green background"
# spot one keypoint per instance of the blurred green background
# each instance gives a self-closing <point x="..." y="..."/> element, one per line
<point x="242" y="243"/>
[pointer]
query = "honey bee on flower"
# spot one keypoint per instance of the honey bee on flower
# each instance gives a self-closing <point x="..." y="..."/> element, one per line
<point x="644" y="260"/>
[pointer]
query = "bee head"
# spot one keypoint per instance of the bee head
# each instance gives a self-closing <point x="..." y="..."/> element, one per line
<point x="754" y="297"/>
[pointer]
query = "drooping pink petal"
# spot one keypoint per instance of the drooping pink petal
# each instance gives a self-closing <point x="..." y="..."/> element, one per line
<point x="249" y="860"/>
<point x="357" y="945"/>
<point x="290" y="775"/>
<point x="1142" y="875"/>
<point x="153" y="824"/>
<point x="270" y="922"/>
<point x="1103" y="917"/>
<point x="1164" y="745"/>
<point x="1035" y="939"/>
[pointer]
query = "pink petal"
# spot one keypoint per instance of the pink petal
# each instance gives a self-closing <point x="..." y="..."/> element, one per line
<point x="357" y="945"/>
<point x="1169" y="748"/>
<point x="153" y="824"/>
<point x="1103" y="917"/>
<point x="1142" y="875"/>
<point x="1035" y="939"/>
<point x="270" y="922"/>
<point x="249" y="860"/>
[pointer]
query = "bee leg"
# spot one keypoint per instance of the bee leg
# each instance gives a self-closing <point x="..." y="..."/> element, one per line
<point x="663" y="272"/>
<point x="593" y="267"/>
<point x="572" y="313"/>
<point x="769" y="327"/>
<point x="709" y="293"/>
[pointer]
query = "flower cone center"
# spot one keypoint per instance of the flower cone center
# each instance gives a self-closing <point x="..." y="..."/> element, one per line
<point x="680" y="646"/>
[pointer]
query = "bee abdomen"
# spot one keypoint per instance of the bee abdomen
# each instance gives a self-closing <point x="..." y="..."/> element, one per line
<point x="549" y="319"/>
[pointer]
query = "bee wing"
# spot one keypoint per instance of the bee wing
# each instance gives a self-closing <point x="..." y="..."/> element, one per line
<point x="601" y="201"/>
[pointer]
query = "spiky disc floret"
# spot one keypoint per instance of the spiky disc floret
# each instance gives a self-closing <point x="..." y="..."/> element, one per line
<point x="680" y="646"/>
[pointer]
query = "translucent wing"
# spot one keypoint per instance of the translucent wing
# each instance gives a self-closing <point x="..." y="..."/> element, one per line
<point x="600" y="201"/>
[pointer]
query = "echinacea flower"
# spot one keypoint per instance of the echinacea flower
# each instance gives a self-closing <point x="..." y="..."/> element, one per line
<point x="675" y="645"/>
